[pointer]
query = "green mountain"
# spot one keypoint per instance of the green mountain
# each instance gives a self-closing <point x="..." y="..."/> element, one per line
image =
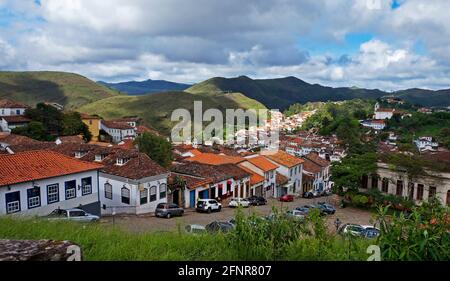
<point x="69" y="89"/>
<point x="282" y="92"/>
<point x="136" y="88"/>
<point x="156" y="109"/>
<point x="440" y="98"/>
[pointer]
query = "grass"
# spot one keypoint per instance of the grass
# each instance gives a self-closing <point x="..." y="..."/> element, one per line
<point x="101" y="243"/>
<point x="68" y="89"/>
<point x="156" y="109"/>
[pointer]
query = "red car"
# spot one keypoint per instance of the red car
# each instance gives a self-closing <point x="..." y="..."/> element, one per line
<point x="287" y="198"/>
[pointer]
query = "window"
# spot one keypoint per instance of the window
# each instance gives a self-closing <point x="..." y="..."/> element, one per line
<point x="152" y="193"/>
<point x="121" y="161"/>
<point x="399" y="191"/>
<point x="419" y="195"/>
<point x="125" y="193"/>
<point x="12" y="202"/>
<point x="108" y="191"/>
<point x="77" y="214"/>
<point x="71" y="189"/>
<point x="385" y="185"/>
<point x="34" y="197"/>
<point x="144" y="196"/>
<point x="52" y="193"/>
<point x="90" y="122"/>
<point x="432" y="192"/>
<point x="290" y="172"/>
<point x="364" y="181"/>
<point x="86" y="186"/>
<point x="411" y="191"/>
<point x="375" y="181"/>
<point x="448" y="197"/>
<point x="18" y="111"/>
<point x="162" y="191"/>
<point x="98" y="158"/>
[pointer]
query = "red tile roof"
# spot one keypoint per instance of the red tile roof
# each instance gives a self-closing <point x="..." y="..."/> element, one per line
<point x="16" y="119"/>
<point x="87" y="116"/>
<point x="285" y="159"/>
<point x="254" y="177"/>
<point x="191" y="181"/>
<point x="215" y="159"/>
<point x="311" y="167"/>
<point x="262" y="163"/>
<point x="314" y="157"/>
<point x="12" y="139"/>
<point x="39" y="164"/>
<point x="5" y="103"/>
<point x="117" y="125"/>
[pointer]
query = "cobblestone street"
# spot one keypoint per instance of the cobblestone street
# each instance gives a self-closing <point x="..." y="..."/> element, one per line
<point x="146" y="223"/>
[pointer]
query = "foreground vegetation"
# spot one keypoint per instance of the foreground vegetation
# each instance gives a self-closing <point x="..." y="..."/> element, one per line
<point x="424" y="236"/>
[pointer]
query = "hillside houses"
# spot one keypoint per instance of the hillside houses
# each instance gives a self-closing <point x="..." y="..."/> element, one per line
<point x="316" y="173"/>
<point x="12" y="115"/>
<point x="290" y="167"/>
<point x="426" y="143"/>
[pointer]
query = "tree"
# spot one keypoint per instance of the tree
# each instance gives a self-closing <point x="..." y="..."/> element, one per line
<point x="34" y="130"/>
<point x="50" y="117"/>
<point x="157" y="148"/>
<point x="349" y="172"/>
<point x="72" y="125"/>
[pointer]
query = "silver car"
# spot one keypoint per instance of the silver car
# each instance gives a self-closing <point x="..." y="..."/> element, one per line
<point x="72" y="215"/>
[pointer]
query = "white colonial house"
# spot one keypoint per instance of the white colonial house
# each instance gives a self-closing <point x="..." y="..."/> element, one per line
<point x="35" y="183"/>
<point x="118" y="131"/>
<point x="426" y="144"/>
<point x="291" y="167"/>
<point x="376" y="124"/>
<point x="383" y="113"/>
<point x="11" y="108"/>
<point x="263" y="167"/>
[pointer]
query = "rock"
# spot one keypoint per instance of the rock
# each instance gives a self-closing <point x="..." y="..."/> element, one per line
<point x="39" y="250"/>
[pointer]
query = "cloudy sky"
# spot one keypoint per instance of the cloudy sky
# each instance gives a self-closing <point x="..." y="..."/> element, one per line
<point x="383" y="44"/>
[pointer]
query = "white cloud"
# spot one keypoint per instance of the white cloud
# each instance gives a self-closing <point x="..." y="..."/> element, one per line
<point x="192" y="40"/>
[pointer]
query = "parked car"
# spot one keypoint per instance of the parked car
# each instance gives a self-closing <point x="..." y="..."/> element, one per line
<point x="257" y="200"/>
<point x="287" y="198"/>
<point x="195" y="229"/>
<point x="311" y="206"/>
<point x="296" y="214"/>
<point x="326" y="208"/>
<point x="208" y="205"/>
<point x="303" y="210"/>
<point x="217" y="226"/>
<point x="167" y="210"/>
<point x="239" y="202"/>
<point x="370" y="232"/>
<point x="366" y="231"/>
<point x="72" y="215"/>
<point x="310" y="194"/>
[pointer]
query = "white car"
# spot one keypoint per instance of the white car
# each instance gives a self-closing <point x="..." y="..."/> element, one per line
<point x="72" y="215"/>
<point x="239" y="202"/>
<point x="208" y="205"/>
<point x="296" y="214"/>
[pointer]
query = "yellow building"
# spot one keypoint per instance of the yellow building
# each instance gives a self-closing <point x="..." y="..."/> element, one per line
<point x="93" y="123"/>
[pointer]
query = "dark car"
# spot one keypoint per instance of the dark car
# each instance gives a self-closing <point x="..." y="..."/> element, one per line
<point x="167" y="210"/>
<point x="326" y="208"/>
<point x="303" y="210"/>
<point x="217" y="226"/>
<point x="257" y="200"/>
<point x="310" y="207"/>
<point x="370" y="233"/>
<point x="309" y="194"/>
<point x="287" y="198"/>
